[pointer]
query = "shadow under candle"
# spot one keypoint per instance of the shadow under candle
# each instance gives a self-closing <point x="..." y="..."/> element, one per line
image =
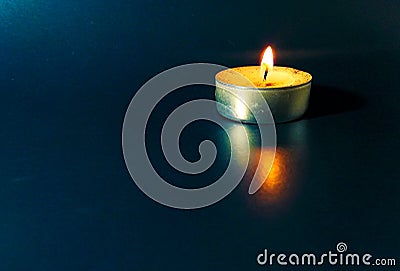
<point x="326" y="101"/>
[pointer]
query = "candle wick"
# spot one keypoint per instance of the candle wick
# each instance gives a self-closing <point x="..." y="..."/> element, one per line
<point x="265" y="75"/>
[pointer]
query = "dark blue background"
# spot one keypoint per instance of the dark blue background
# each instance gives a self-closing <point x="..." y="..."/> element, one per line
<point x="68" y="71"/>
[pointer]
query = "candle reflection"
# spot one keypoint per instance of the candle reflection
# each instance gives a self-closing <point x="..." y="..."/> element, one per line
<point x="276" y="187"/>
<point x="282" y="180"/>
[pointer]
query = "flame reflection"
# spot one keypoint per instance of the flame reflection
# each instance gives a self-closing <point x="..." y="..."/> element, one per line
<point x="277" y="184"/>
<point x="282" y="179"/>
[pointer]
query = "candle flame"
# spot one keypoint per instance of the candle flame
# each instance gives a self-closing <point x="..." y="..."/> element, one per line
<point x="267" y="62"/>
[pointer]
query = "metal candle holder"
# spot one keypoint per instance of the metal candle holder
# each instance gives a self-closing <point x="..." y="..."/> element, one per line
<point x="287" y="94"/>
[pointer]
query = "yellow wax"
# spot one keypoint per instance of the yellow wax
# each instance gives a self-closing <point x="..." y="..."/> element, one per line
<point x="279" y="77"/>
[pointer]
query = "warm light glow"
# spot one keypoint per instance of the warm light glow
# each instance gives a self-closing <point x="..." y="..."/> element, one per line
<point x="276" y="187"/>
<point x="276" y="182"/>
<point x="267" y="62"/>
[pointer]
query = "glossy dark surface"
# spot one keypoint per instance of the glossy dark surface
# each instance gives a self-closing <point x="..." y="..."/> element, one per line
<point x="68" y="72"/>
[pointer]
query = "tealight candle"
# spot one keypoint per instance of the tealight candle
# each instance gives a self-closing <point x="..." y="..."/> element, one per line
<point x="285" y="89"/>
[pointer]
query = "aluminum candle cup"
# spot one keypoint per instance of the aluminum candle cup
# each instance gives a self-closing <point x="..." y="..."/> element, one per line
<point x="286" y="91"/>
